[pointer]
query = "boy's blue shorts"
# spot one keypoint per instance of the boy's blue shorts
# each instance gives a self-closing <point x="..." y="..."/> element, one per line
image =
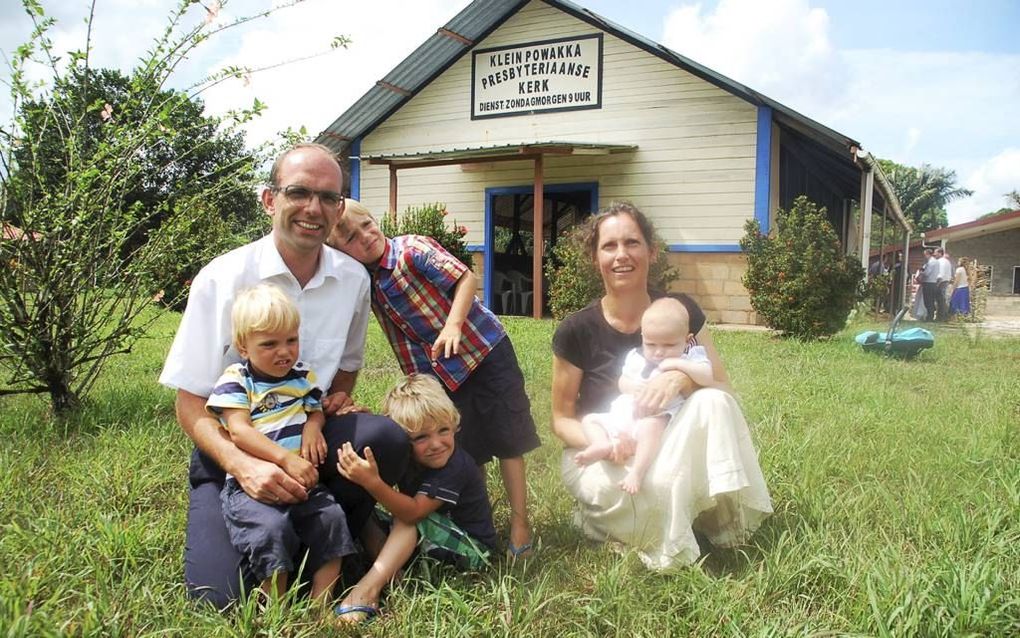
<point x="269" y="536"/>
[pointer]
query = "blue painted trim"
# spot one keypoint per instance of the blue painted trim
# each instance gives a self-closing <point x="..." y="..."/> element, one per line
<point x="489" y="255"/>
<point x="704" y="248"/>
<point x="355" y="162"/>
<point x="549" y="188"/>
<point x="763" y="168"/>
<point x="491" y="193"/>
<point x="475" y="248"/>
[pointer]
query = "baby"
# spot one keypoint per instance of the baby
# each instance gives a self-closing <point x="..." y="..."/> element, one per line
<point x="666" y="344"/>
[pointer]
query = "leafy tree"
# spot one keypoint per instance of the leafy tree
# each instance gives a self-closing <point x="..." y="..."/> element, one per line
<point x="1013" y="197"/>
<point x="799" y="279"/>
<point x="996" y="213"/>
<point x="924" y="192"/>
<point x="1013" y="204"/>
<point x="117" y="184"/>
<point x="173" y="167"/>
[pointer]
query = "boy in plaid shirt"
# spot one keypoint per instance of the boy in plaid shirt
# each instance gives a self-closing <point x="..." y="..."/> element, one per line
<point x="441" y="507"/>
<point x="425" y="301"/>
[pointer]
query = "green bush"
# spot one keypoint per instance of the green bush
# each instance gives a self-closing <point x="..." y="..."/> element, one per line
<point x="574" y="281"/>
<point x="799" y="280"/>
<point x="193" y="242"/>
<point x="430" y="220"/>
<point x="876" y="290"/>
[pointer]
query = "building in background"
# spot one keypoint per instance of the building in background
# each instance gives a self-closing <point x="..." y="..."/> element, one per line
<point x="518" y="106"/>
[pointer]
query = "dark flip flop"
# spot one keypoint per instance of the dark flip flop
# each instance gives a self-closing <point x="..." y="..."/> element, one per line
<point x="370" y="612"/>
<point x="515" y="552"/>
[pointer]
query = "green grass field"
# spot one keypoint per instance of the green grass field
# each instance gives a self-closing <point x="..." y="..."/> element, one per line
<point x="896" y="487"/>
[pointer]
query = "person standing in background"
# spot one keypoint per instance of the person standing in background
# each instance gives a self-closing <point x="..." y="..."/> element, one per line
<point x="929" y="284"/>
<point x="944" y="280"/>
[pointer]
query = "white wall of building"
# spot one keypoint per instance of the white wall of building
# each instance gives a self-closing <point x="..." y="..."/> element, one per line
<point x="693" y="171"/>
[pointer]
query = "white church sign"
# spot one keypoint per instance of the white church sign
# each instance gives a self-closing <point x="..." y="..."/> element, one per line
<point x="552" y="75"/>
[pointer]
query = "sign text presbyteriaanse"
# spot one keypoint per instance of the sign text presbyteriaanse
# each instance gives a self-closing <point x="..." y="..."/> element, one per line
<point x="553" y="75"/>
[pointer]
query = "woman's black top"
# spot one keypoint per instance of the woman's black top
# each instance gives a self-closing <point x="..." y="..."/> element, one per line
<point x="586" y="340"/>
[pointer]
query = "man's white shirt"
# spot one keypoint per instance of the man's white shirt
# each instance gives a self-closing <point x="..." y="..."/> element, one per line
<point x="945" y="269"/>
<point x="334" y="308"/>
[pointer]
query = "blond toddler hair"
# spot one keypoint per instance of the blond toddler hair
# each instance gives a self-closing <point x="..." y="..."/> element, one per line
<point x="264" y="308"/>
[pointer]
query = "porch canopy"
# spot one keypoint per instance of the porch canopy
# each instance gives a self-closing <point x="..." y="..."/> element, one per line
<point x="534" y="151"/>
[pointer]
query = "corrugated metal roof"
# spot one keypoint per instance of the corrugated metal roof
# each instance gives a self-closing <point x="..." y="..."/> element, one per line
<point x="479" y="19"/>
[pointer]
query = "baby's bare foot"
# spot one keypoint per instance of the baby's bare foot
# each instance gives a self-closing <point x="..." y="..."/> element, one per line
<point x="631" y="483"/>
<point x="590" y="454"/>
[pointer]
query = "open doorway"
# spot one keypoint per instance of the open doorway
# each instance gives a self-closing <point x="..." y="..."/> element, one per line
<point x="509" y="263"/>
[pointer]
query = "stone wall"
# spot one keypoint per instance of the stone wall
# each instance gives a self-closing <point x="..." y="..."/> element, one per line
<point x="713" y="280"/>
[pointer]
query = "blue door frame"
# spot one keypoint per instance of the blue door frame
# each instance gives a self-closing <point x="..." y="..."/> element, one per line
<point x="491" y="193"/>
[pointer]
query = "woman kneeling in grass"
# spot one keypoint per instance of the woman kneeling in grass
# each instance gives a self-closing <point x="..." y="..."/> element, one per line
<point x="705" y="475"/>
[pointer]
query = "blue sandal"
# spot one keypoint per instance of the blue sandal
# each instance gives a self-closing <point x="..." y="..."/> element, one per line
<point x="371" y="613"/>
<point x="514" y="552"/>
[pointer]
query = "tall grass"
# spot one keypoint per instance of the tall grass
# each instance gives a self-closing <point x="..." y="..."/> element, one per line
<point x="896" y="486"/>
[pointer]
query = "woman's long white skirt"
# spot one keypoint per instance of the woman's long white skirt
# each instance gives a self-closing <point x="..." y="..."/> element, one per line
<point x="706" y="476"/>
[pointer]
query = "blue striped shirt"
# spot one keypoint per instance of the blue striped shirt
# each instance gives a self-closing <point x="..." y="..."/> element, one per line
<point x="279" y="406"/>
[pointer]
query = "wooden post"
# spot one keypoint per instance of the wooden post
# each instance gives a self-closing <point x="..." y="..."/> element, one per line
<point x="537" y="243"/>
<point x="393" y="194"/>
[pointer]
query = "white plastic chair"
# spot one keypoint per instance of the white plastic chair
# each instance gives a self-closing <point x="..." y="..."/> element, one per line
<point x="503" y="288"/>
<point x="522" y="290"/>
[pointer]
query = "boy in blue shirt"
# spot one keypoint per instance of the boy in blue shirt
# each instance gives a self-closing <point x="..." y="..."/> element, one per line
<point x="442" y="506"/>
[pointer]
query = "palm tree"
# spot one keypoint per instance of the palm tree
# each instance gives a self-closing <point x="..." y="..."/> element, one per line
<point x="1013" y="197"/>
<point x="924" y="192"/>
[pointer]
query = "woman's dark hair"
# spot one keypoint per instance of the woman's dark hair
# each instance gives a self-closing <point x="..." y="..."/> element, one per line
<point x="590" y="234"/>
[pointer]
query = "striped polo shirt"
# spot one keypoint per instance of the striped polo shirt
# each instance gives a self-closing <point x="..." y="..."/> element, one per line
<point x="279" y="406"/>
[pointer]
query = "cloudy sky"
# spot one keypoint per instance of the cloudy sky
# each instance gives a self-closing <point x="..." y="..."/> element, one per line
<point x="916" y="81"/>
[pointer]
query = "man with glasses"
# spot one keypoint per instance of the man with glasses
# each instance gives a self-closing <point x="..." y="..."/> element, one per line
<point x="305" y="200"/>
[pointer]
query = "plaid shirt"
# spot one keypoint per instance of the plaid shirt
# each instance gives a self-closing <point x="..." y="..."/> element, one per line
<point x="412" y="294"/>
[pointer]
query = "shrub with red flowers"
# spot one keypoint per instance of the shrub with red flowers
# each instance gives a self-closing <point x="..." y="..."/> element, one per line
<point x="430" y="220"/>
<point x="799" y="280"/>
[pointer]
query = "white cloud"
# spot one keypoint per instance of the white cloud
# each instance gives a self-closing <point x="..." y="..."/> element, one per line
<point x="781" y="48"/>
<point x="315" y="92"/>
<point x="913" y="137"/>
<point x="990" y="182"/>
<point x="947" y="109"/>
<point x="310" y="92"/>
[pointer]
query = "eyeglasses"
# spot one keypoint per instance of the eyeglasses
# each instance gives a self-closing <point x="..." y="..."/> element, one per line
<point x="302" y="196"/>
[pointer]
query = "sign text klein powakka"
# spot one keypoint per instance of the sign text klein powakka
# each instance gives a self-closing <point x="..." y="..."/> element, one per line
<point x="553" y="75"/>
